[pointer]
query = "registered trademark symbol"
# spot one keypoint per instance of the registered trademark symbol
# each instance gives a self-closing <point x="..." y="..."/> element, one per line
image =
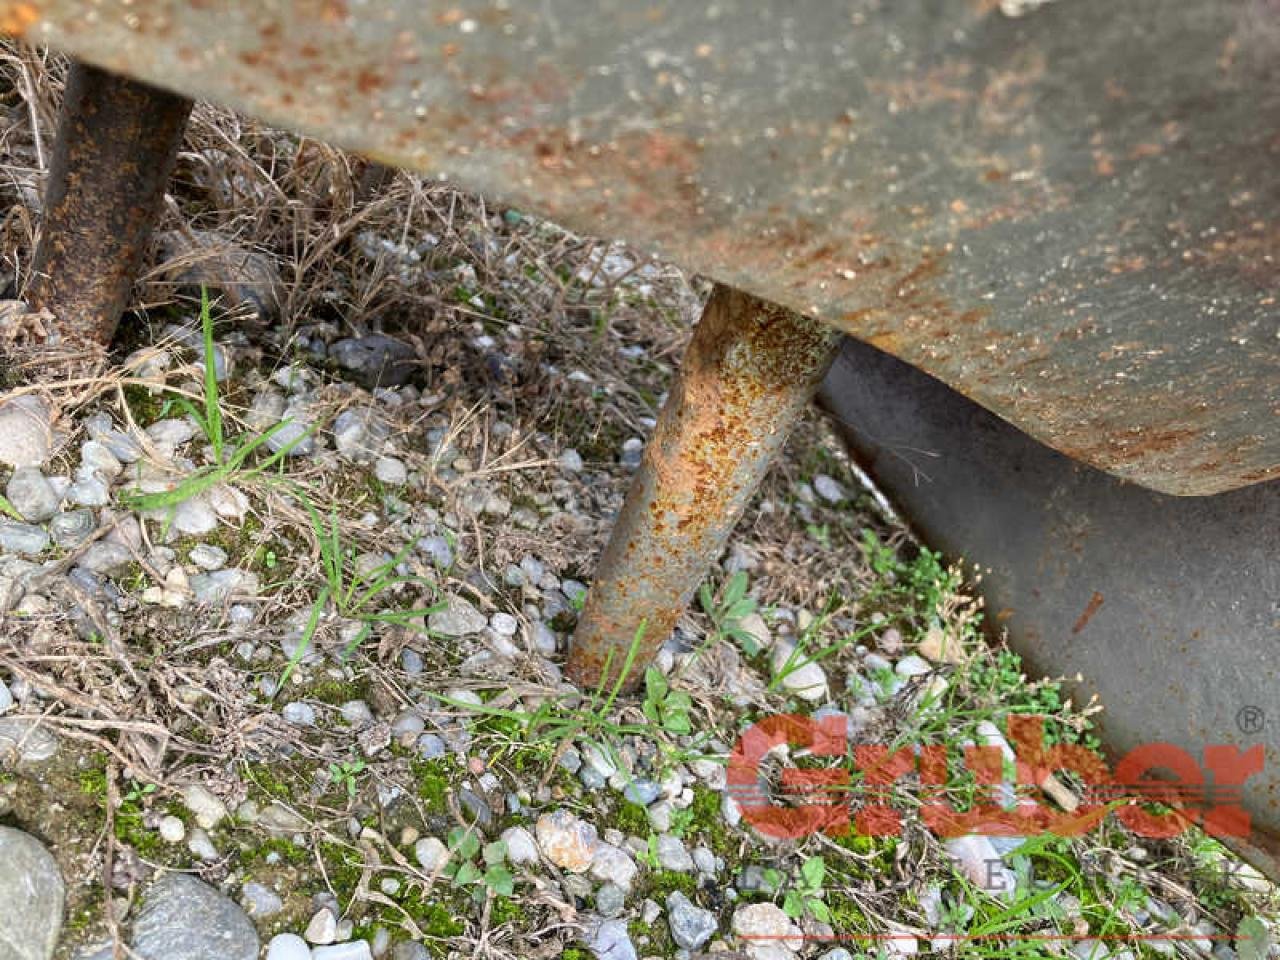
<point x="1251" y="719"/>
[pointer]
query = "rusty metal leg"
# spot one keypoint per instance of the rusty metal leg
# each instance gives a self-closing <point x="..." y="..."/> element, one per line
<point x="117" y="142"/>
<point x="750" y="371"/>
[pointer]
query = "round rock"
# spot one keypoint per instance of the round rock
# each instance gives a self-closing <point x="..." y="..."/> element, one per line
<point x="31" y="897"/>
<point x="183" y="917"/>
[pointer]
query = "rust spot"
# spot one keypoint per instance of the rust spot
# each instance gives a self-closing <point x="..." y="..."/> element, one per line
<point x="16" y="19"/>
<point x="1091" y="608"/>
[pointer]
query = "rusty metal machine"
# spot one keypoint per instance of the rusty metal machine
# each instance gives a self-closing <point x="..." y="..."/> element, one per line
<point x="1065" y="216"/>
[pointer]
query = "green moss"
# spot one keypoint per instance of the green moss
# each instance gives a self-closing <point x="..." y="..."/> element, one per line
<point x="631" y="819"/>
<point x="145" y="407"/>
<point x="661" y="883"/>
<point x="265" y="779"/>
<point x="336" y="692"/>
<point x="431" y="780"/>
<point x="287" y="851"/>
<point x="708" y="824"/>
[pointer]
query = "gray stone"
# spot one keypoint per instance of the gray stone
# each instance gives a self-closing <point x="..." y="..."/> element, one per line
<point x="571" y="461"/>
<point x="610" y="864"/>
<point x="31" y="898"/>
<point x="208" y="557"/>
<point x="294" y="435"/>
<point x="358" y="434"/>
<point x="391" y="471"/>
<point x="207" y="808"/>
<point x="804" y="678"/>
<point x="89" y="490"/>
<point x="288" y="946"/>
<point x="96" y="457"/>
<point x="352" y="950"/>
<point x="438" y="551"/>
<point x="299" y="714"/>
<point x="611" y="900"/>
<point x="459" y="619"/>
<point x="408" y="950"/>
<point x="26" y="434"/>
<point x="766" y="931"/>
<point x="357" y="714"/>
<point x="32" y="495"/>
<point x="643" y="792"/>
<point x="611" y="941"/>
<point x="375" y="360"/>
<point x="504" y="624"/>
<point x="828" y="489"/>
<point x="521" y="848"/>
<point x="430" y="853"/>
<point x="172" y="432"/>
<point x="6" y="699"/>
<point x="184" y="918"/>
<point x="22" y="538"/>
<point x="259" y="900"/>
<point x="672" y="854"/>
<point x="72" y="528"/>
<point x="323" y="928"/>
<point x="217" y="586"/>
<point x="566" y="841"/>
<point x="193" y="517"/>
<point x="691" y="926"/>
<point x="105" y="558"/>
<point x="172" y="829"/>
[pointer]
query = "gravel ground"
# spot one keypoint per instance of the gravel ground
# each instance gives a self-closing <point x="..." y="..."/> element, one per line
<point x="284" y="613"/>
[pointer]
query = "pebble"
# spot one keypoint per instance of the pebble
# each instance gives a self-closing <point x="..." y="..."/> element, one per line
<point x="352" y="950"/>
<point x="26" y="434"/>
<point x="208" y="557"/>
<point x="978" y="860"/>
<point x="691" y="926"/>
<point x="807" y="681"/>
<point x="459" y="618"/>
<point x="172" y="829"/>
<point x="375" y="360"/>
<point x="571" y="461"/>
<point x="766" y="931"/>
<point x="828" y="489"/>
<point x="299" y="714"/>
<point x="288" y="946"/>
<point x="323" y="927"/>
<point x="566" y="841"/>
<point x="22" y="538"/>
<point x="95" y="457"/>
<point x="438" y="551"/>
<point x="32" y="495"/>
<point x="358" y="434"/>
<point x="610" y="864"/>
<point x="89" y="490"/>
<point x="504" y="624"/>
<point x="521" y="848"/>
<point x="610" y="940"/>
<point x="430" y="853"/>
<point x="208" y="810"/>
<point x="357" y="714"/>
<point x="431" y="746"/>
<point x="642" y="792"/>
<point x="391" y="471"/>
<point x="31" y="898"/>
<point x="611" y="900"/>
<point x="259" y="900"/>
<point x="105" y="558"/>
<point x="193" y="517"/>
<point x="6" y="698"/>
<point x="72" y="528"/>
<point x="632" y="453"/>
<point x="34" y="743"/>
<point x="912" y="666"/>
<point x="184" y="917"/>
<point x="215" y="587"/>
<point x="202" y="846"/>
<point x="672" y="854"/>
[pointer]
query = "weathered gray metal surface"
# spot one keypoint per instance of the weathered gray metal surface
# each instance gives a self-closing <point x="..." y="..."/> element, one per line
<point x="750" y="371"/>
<point x="1073" y="217"/>
<point x="117" y="144"/>
<point x="1168" y="607"/>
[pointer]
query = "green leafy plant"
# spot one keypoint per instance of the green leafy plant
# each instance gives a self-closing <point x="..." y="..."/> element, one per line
<point x="729" y="610"/>
<point x="488" y="873"/>
<point x="345" y="775"/>
<point x="805" y="896"/>
<point x="667" y="708"/>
